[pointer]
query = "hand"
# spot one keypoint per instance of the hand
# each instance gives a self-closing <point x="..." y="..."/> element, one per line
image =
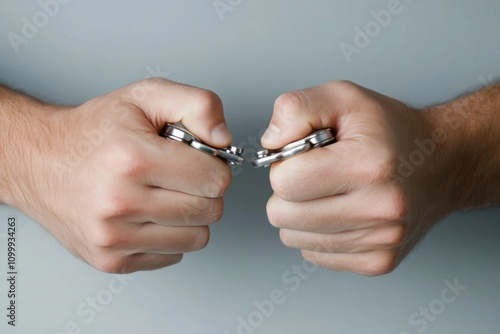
<point x="362" y="203"/>
<point x="111" y="190"/>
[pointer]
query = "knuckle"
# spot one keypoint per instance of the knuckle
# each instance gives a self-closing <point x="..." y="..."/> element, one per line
<point x="286" y="238"/>
<point x="125" y="159"/>
<point x="222" y="179"/>
<point x="378" y="166"/>
<point x="149" y="81"/>
<point x="104" y="236"/>
<point x="201" y="238"/>
<point x="114" y="205"/>
<point x="281" y="185"/>
<point x="390" y="238"/>
<point x="378" y="264"/>
<point x="273" y="213"/>
<point x="109" y="263"/>
<point x="288" y="104"/>
<point x="219" y="182"/>
<point x="393" y="205"/>
<point x="397" y="206"/>
<point x="139" y="90"/>
<point x="216" y="210"/>
<point x="154" y="81"/>
<point x="320" y="259"/>
<point x="344" y="89"/>
<point x="395" y="237"/>
<point x="174" y="259"/>
<point x="207" y="101"/>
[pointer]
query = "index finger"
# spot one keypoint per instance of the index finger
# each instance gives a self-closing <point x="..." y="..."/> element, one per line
<point x="164" y="101"/>
<point x="321" y="172"/>
<point x="296" y="114"/>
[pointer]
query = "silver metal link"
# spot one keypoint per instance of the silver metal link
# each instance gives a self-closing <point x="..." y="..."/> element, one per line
<point x="319" y="138"/>
<point x="231" y="154"/>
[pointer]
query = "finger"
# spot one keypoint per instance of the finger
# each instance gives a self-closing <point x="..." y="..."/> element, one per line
<point x="368" y="263"/>
<point x="171" y="208"/>
<point x="324" y="171"/>
<point x="298" y="113"/>
<point x="369" y="207"/>
<point x="168" y="164"/>
<point x="144" y="261"/>
<point x="159" y="239"/>
<point x="176" y="166"/>
<point x="165" y="101"/>
<point x="355" y="241"/>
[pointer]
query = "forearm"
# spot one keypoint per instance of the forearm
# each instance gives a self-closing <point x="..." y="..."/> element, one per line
<point x="24" y="119"/>
<point x="470" y="156"/>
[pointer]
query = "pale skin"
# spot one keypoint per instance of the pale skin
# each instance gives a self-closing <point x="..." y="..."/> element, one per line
<point x="101" y="180"/>
<point x="346" y="205"/>
<point x="132" y="200"/>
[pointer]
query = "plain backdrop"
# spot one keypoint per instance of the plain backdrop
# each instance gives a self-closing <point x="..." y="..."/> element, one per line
<point x="249" y="52"/>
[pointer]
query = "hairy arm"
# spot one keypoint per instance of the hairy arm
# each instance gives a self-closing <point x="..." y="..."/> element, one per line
<point x="472" y="123"/>
<point x="23" y="119"/>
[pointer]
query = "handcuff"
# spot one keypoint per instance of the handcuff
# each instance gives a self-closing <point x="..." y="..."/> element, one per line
<point x="230" y="154"/>
<point x="234" y="155"/>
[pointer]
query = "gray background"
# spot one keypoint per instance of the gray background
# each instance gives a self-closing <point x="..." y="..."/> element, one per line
<point x="430" y="52"/>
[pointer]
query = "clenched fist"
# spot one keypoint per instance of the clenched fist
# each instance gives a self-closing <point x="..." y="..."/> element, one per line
<point x="105" y="184"/>
<point x="362" y="203"/>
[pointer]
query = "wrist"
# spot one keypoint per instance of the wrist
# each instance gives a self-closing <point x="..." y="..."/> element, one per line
<point x="468" y="161"/>
<point x="26" y="138"/>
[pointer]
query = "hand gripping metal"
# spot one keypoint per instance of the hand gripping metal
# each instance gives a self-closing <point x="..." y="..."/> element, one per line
<point x="318" y="138"/>
<point x="231" y="154"/>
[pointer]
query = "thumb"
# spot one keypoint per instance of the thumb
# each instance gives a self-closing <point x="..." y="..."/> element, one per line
<point x="297" y="114"/>
<point x="164" y="101"/>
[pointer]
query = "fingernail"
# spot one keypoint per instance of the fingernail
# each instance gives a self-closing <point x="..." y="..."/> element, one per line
<point x="272" y="134"/>
<point x="221" y="135"/>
